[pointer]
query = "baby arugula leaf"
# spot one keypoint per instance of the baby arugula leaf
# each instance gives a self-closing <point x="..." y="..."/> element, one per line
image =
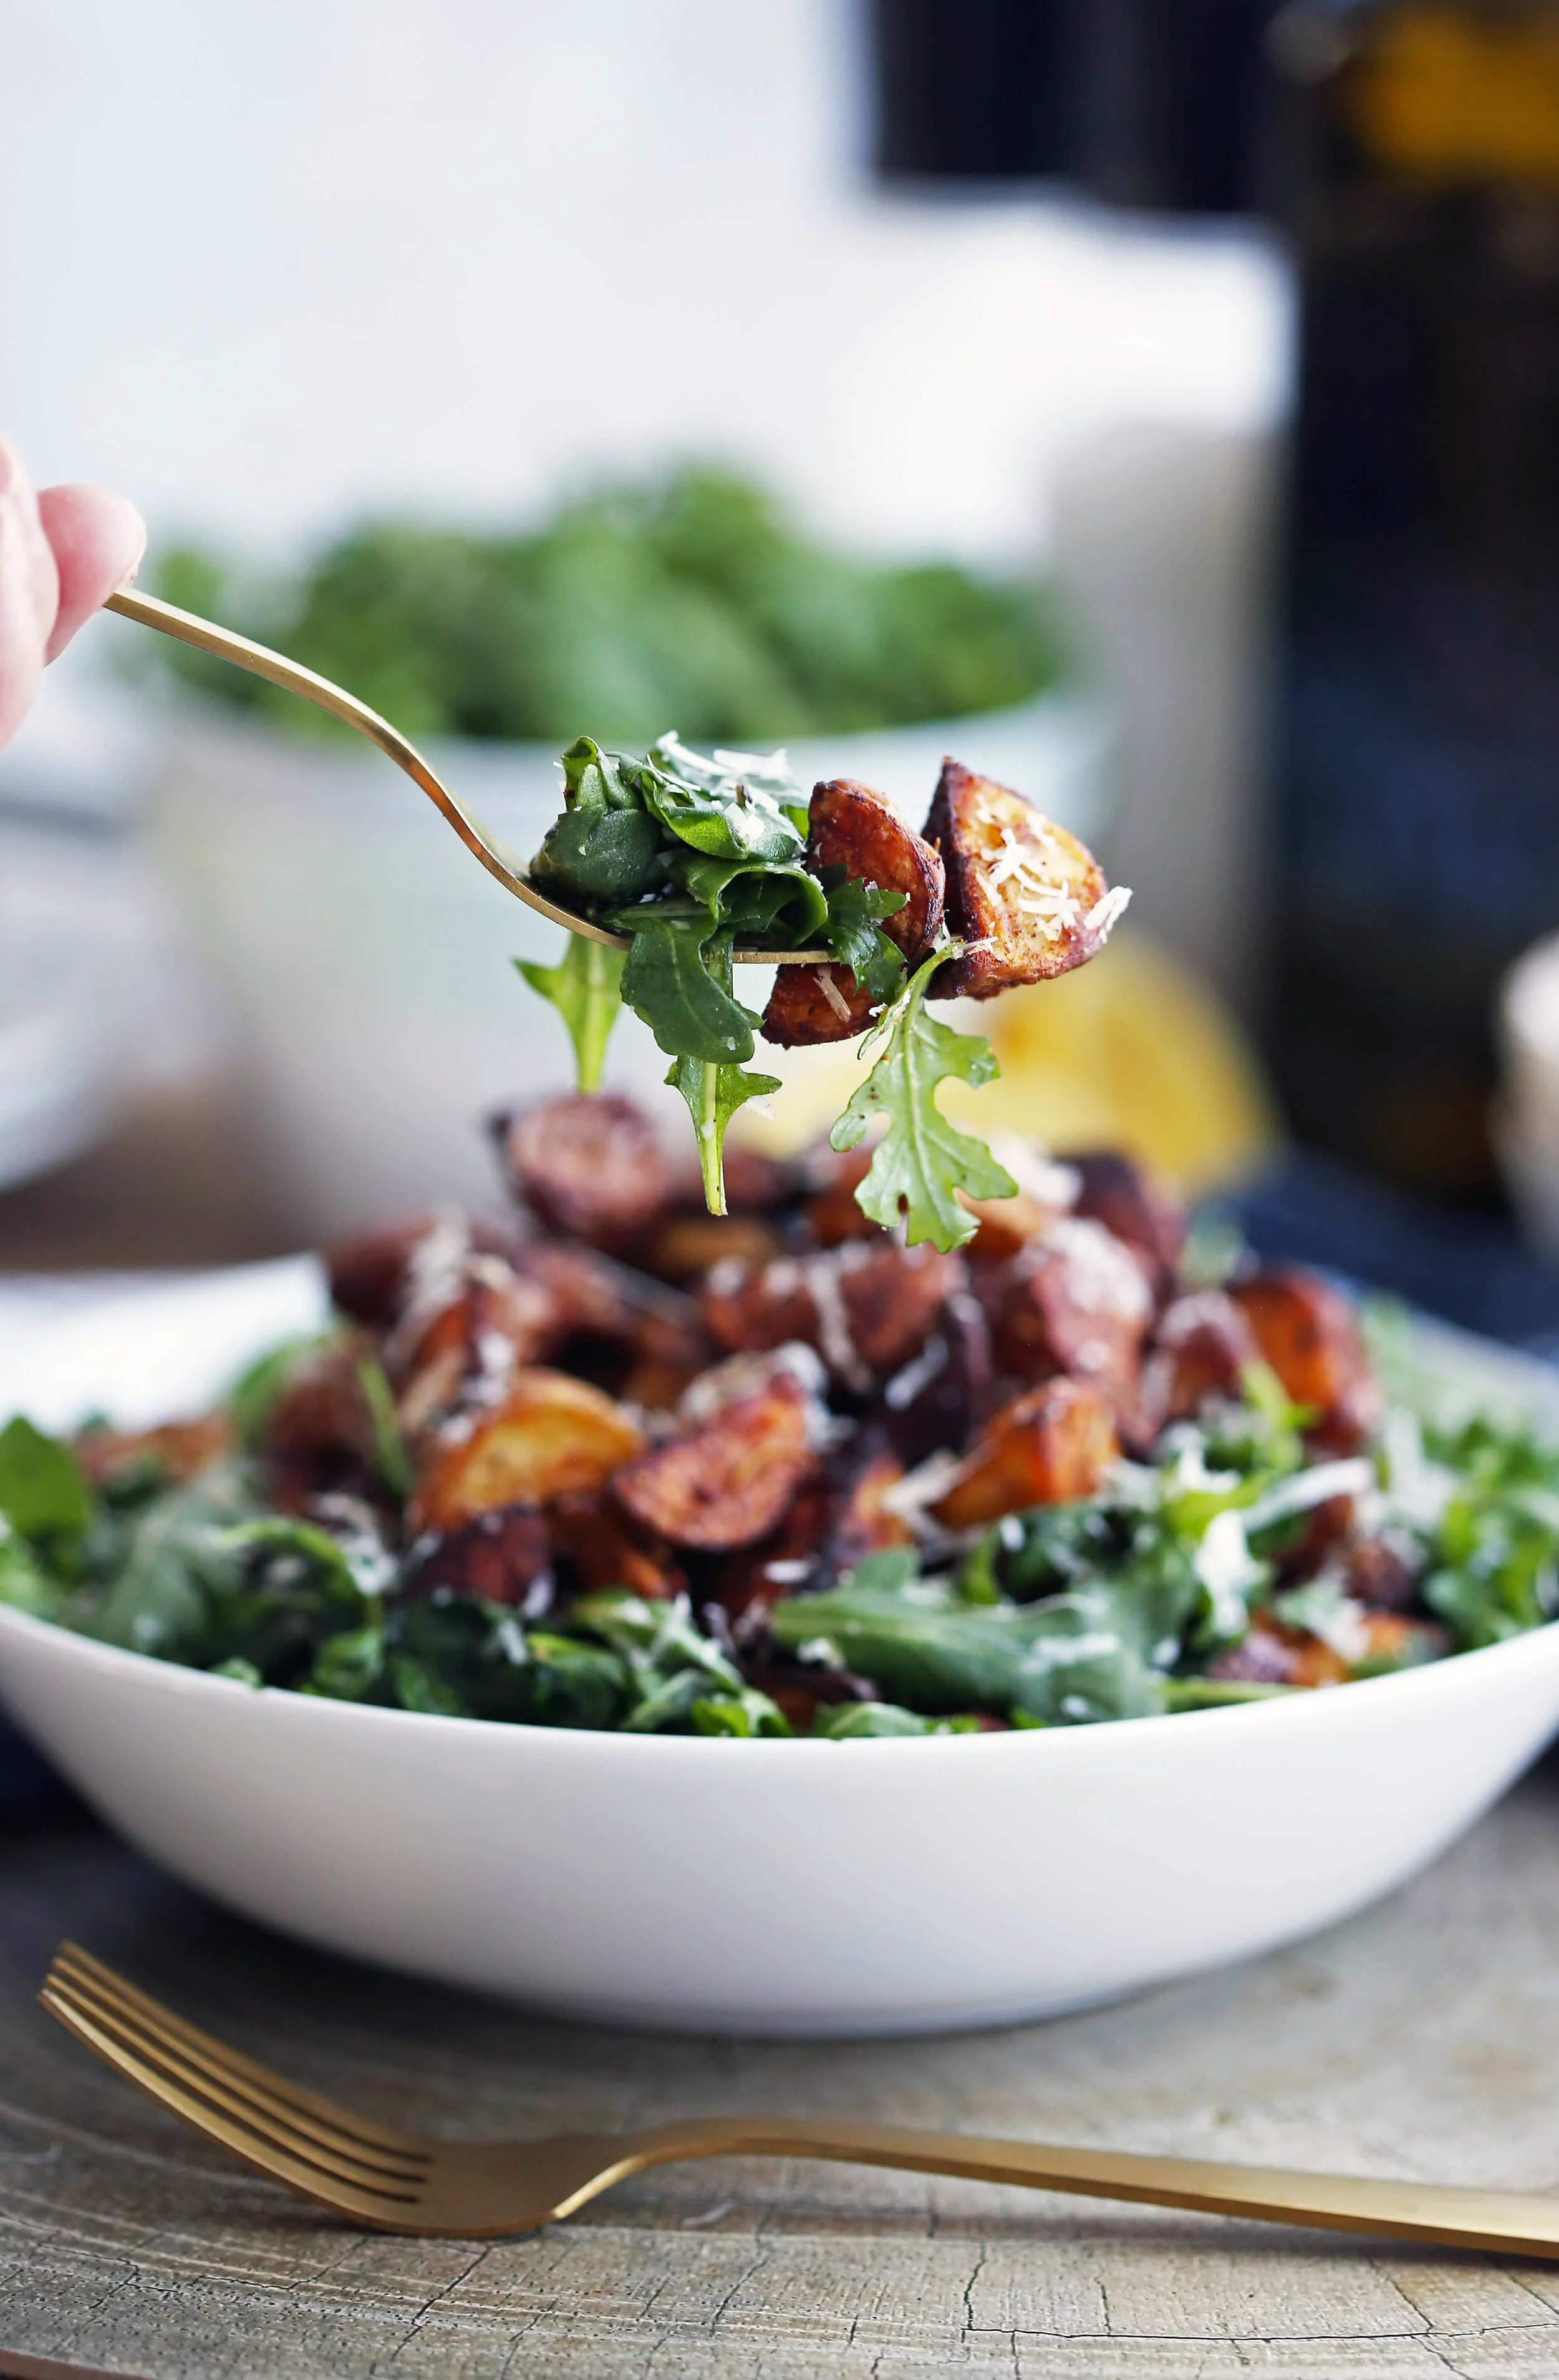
<point x="922" y="1161"/>
<point x="606" y="845"/>
<point x="852" y="932"/>
<point x="586" y="987"/>
<point x="675" y="980"/>
<point x="714" y="1092"/>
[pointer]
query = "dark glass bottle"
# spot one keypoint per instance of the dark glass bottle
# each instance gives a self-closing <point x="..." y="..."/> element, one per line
<point x="1417" y="748"/>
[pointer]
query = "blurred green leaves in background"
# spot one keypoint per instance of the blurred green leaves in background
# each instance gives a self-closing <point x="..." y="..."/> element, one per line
<point x="688" y="602"/>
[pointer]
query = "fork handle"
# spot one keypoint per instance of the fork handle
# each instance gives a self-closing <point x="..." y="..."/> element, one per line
<point x="1505" y="2221"/>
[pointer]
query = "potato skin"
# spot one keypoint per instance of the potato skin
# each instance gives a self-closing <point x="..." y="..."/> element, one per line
<point x="853" y="828"/>
<point x="866" y="1309"/>
<point x="550" y="1436"/>
<point x="499" y="1557"/>
<point x="1310" y="1335"/>
<point x="974" y="824"/>
<point x="727" y="1482"/>
<point x="588" y="1165"/>
<point x="1052" y="1445"/>
<point x="1136" y="1204"/>
<point x="1202" y="1344"/>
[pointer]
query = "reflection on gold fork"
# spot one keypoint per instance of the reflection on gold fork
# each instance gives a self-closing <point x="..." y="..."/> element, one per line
<point x="496" y="858"/>
<point x="393" y="2182"/>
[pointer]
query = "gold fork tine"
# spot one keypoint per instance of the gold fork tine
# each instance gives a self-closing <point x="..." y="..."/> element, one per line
<point x="379" y="2206"/>
<point x="72" y="1964"/>
<point x="312" y="2144"/>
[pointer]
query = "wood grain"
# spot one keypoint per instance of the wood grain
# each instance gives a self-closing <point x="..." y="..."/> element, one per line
<point x="1421" y="2038"/>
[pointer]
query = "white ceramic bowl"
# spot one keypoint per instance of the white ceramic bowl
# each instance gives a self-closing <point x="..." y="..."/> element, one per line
<point x="805" y="1888"/>
<point x="368" y="955"/>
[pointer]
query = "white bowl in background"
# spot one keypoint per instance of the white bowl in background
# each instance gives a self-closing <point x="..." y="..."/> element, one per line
<point x="778" y="1887"/>
<point x="368" y="954"/>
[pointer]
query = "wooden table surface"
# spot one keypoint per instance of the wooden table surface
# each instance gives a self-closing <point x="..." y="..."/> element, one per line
<point x="1422" y="2037"/>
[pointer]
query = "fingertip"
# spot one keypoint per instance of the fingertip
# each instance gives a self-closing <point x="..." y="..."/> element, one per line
<point x="98" y="541"/>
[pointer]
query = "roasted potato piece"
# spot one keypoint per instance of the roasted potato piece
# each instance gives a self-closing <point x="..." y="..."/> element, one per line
<point x="370" y="1274"/>
<point x="603" y="1549"/>
<point x="754" y="1577"/>
<point x="1134" y="1203"/>
<point x="322" y="1417"/>
<point x="864" y="1522"/>
<point x="727" y="1482"/>
<point x="494" y="1323"/>
<point x="853" y="828"/>
<point x="499" y="1557"/>
<point x="1073" y="1300"/>
<point x="1310" y="1335"/>
<point x="864" y="1309"/>
<point x="1200" y="1347"/>
<point x="800" y="1687"/>
<point x="589" y="1165"/>
<point x="1049" y="1446"/>
<point x="1007" y="1225"/>
<point x="173" y="1452"/>
<point x="550" y="1436"/>
<point x="944" y="1392"/>
<point x="1017" y="884"/>
<point x="1383" y="1572"/>
<point x="685" y="1246"/>
<point x="831" y="1214"/>
<point x="1274" y="1655"/>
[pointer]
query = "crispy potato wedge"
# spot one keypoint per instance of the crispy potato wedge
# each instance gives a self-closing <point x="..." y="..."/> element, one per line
<point x="684" y="1247"/>
<point x="853" y="828"/>
<point x="1017" y="884"/>
<point x="1073" y="1300"/>
<point x="370" y="1274"/>
<point x="492" y="1321"/>
<point x="1006" y="1225"/>
<point x="866" y="1524"/>
<point x="727" y="1482"/>
<point x="1309" y="1333"/>
<point x="603" y="1547"/>
<point x="1134" y="1203"/>
<point x="1049" y="1446"/>
<point x="831" y="1214"/>
<point x="588" y="1165"/>
<point x="866" y="1309"/>
<point x="752" y="1579"/>
<point x="500" y="1557"/>
<point x="1200" y="1347"/>
<point x="945" y="1392"/>
<point x="550" y="1436"/>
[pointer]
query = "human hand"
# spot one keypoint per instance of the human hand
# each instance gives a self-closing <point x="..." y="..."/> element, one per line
<point x="63" y="552"/>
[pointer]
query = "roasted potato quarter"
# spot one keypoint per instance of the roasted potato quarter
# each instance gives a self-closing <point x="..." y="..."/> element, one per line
<point x="1049" y="1446"/>
<point x="1073" y="1300"/>
<point x="860" y="831"/>
<point x="892" y="1298"/>
<point x="866" y="1522"/>
<point x="1201" y="1346"/>
<point x="727" y="1482"/>
<point x="588" y="1165"/>
<point x="550" y="1436"/>
<point x="684" y="1247"/>
<point x="831" y="1214"/>
<point x="782" y="1564"/>
<point x="1310" y="1335"/>
<point x="1274" y="1656"/>
<point x="1382" y="1571"/>
<point x="494" y="1323"/>
<point x="500" y="1557"/>
<point x="322" y="1417"/>
<point x="370" y="1274"/>
<point x="944" y="1392"/>
<point x="1134" y="1203"/>
<point x="1007" y="1225"/>
<point x="602" y="1548"/>
<point x="815" y="1003"/>
<point x="749" y="1309"/>
<point x="1016" y="883"/>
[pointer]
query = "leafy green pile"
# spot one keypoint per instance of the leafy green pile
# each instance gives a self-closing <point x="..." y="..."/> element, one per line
<point x="689" y="597"/>
<point x="695" y="857"/>
<point x="1115" y="1607"/>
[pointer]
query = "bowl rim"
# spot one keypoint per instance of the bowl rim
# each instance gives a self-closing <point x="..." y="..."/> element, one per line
<point x="1317" y="1706"/>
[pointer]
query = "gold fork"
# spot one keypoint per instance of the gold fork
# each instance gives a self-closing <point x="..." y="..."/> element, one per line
<point x="495" y="856"/>
<point x="394" y="2181"/>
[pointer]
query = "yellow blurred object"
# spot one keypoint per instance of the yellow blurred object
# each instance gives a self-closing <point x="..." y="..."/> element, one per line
<point x="1128" y="1052"/>
<point x="1454" y="100"/>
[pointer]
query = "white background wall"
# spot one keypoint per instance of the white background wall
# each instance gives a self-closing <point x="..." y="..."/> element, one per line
<point x="260" y="265"/>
